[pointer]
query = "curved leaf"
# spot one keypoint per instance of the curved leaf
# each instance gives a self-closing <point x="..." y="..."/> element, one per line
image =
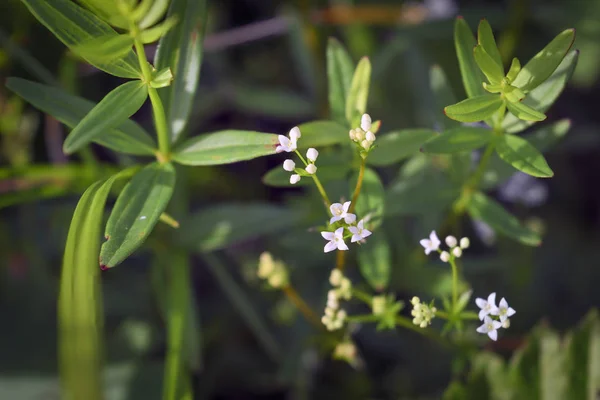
<point x="443" y="95"/>
<point x="475" y="109"/>
<point x="356" y="102"/>
<point x="394" y="147"/>
<point x="340" y="69"/>
<point x="458" y="139"/>
<point x="375" y="259"/>
<point x="524" y="112"/>
<point x="464" y="42"/>
<point x="485" y="38"/>
<point x="493" y="72"/>
<point x="225" y="147"/>
<point x="105" y="48"/>
<point x="322" y="133"/>
<point x="519" y="153"/>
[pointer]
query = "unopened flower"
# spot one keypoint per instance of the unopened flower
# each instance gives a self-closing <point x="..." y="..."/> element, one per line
<point x="457" y="251"/>
<point x="422" y="313"/>
<point x="295" y="178"/>
<point x="365" y="144"/>
<point x="378" y="304"/>
<point x="506" y="323"/>
<point x="490" y="327"/>
<point x="346" y="351"/>
<point x="295" y="134"/>
<point x="370" y="136"/>
<point x="274" y="272"/>
<point x="487" y="306"/>
<point x="289" y="165"/>
<point x="444" y="256"/>
<point x="465" y="243"/>
<point x="345" y="289"/>
<point x="336" y="277"/>
<point x="336" y="240"/>
<point x="333" y="300"/>
<point x="311" y="168"/>
<point x="266" y="265"/>
<point x="312" y="154"/>
<point x="431" y="244"/>
<point x="286" y="144"/>
<point x="365" y="122"/>
<point x="359" y="232"/>
<point x="333" y="319"/>
<point x="503" y="311"/>
<point x="451" y="241"/>
<point x="339" y="211"/>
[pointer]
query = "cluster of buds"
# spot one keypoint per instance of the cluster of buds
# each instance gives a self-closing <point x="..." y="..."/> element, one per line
<point x="493" y="317"/>
<point x="274" y="272"/>
<point x="455" y="248"/>
<point x="365" y="135"/>
<point x="346" y="351"/>
<point x="340" y="214"/>
<point x="334" y="316"/>
<point x="387" y="309"/>
<point x="291" y="145"/>
<point x="422" y="313"/>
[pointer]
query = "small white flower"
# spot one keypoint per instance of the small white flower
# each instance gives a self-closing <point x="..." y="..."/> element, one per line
<point x="289" y="165"/>
<point x="358" y="232"/>
<point x="444" y="256"/>
<point x="431" y="244"/>
<point x="465" y="243"/>
<point x="285" y="144"/>
<point x="340" y="211"/>
<point x="294" y="179"/>
<point x="457" y="251"/>
<point x="311" y="168"/>
<point x="295" y="134"/>
<point x="336" y="240"/>
<point x="365" y="122"/>
<point x="490" y="327"/>
<point x="451" y="241"/>
<point x="365" y="144"/>
<point x="487" y="307"/>
<point x="370" y="136"/>
<point x="503" y="310"/>
<point x="312" y="154"/>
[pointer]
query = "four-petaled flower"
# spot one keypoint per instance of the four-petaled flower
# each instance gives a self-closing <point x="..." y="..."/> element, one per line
<point x="340" y="211"/>
<point x="359" y="232"/>
<point x="336" y="240"/>
<point x="487" y="307"/>
<point x="431" y="244"/>
<point x="504" y="311"/>
<point x="286" y="144"/>
<point x="490" y="327"/>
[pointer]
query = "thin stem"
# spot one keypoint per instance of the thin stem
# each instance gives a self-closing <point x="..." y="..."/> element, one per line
<point x="167" y="219"/>
<point x="362" y="296"/>
<point x="340" y="259"/>
<point x="454" y="283"/>
<point x="469" y="315"/>
<point x="317" y="182"/>
<point x="363" y="318"/>
<point x="359" y="182"/>
<point x="301" y="305"/>
<point x="442" y="315"/>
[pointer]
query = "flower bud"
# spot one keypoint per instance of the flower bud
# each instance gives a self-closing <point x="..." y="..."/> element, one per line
<point x="365" y="122"/>
<point x="506" y="323"/>
<point x="294" y="179"/>
<point x="457" y="251"/>
<point x="295" y="133"/>
<point x="451" y="241"/>
<point x="311" y="168"/>
<point x="365" y="144"/>
<point x="289" y="165"/>
<point x="359" y="135"/>
<point x="378" y="305"/>
<point x="336" y="277"/>
<point x="464" y="243"/>
<point x="370" y="136"/>
<point x="312" y="154"/>
<point x="415" y="300"/>
<point x="444" y="256"/>
<point x="352" y="135"/>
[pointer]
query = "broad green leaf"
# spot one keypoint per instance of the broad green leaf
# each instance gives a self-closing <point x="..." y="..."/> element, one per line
<point x="493" y="72"/>
<point x="356" y="101"/>
<point x="106" y="48"/>
<point x="420" y="196"/>
<point x="544" y="138"/>
<point x="524" y="369"/>
<point x="151" y="35"/>
<point x="458" y="139"/>
<point x="74" y="25"/>
<point x="222" y="225"/>
<point x="112" y="111"/>
<point x="519" y="153"/>
<point x="394" y="147"/>
<point x="340" y="69"/>
<point x="136" y="212"/>
<point x="553" y="380"/>
<point x="443" y="95"/>
<point x="128" y="137"/>
<point x="485" y="38"/>
<point x="583" y="359"/>
<point x="375" y="259"/>
<point x="225" y="147"/>
<point x="475" y="109"/>
<point x="181" y="50"/>
<point x="322" y="133"/>
<point x="487" y="210"/>
<point x="464" y="41"/>
<point x="154" y="14"/>
<point x="371" y="200"/>
<point x="524" y="112"/>
<point x="543" y="96"/>
<point x="544" y="63"/>
<point x="105" y="9"/>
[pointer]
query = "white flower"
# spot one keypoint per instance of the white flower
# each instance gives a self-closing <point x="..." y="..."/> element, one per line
<point x="336" y="240"/>
<point x="333" y="300"/>
<point x="457" y="251"/>
<point x="451" y="241"/>
<point x="289" y="165"/>
<point x="312" y="154"/>
<point x="365" y="144"/>
<point x="358" y="232"/>
<point x="340" y="211"/>
<point x="295" y="134"/>
<point x="444" y="256"/>
<point x="294" y="179"/>
<point x="431" y="244"/>
<point x="311" y="168"/>
<point x="365" y="122"/>
<point x="465" y="243"/>
<point x="285" y="144"/>
<point x="490" y="327"/>
<point x="503" y="310"/>
<point x="370" y="136"/>
<point x="506" y="323"/>
<point x="487" y="307"/>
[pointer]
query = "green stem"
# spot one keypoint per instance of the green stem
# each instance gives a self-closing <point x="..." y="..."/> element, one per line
<point x="442" y="315"/>
<point x="454" y="283"/>
<point x="363" y="318"/>
<point x="317" y="183"/>
<point x="361" y="174"/>
<point x="362" y="296"/>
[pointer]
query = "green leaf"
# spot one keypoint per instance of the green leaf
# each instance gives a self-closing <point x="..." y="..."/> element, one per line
<point x="154" y="14"/>
<point x="443" y="95"/>
<point x="151" y="35"/>
<point x="375" y="259"/>
<point x="519" y="153"/>
<point x="420" y="196"/>
<point x="225" y="147"/>
<point x="524" y="112"/>
<point x="524" y="370"/>
<point x="485" y="38"/>
<point x="474" y="109"/>
<point x="181" y="50"/>
<point x="106" y="48"/>
<point x="356" y="102"/>
<point x="273" y="102"/>
<point x="322" y="133"/>
<point x="493" y="72"/>
<point x="112" y="111"/>
<point x="371" y="199"/>
<point x="547" y="136"/>
<point x="487" y="210"/>
<point x="583" y="359"/>
<point x="340" y="69"/>
<point x="162" y="78"/>
<point x="544" y="63"/>
<point x="394" y="147"/>
<point x="458" y="139"/>
<point x="136" y="211"/>
<point x="74" y="25"/>
<point x="543" y="96"/>
<point x="464" y="41"/>
<point x="128" y="137"/>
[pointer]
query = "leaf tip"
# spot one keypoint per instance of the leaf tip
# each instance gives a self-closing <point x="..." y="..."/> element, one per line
<point x="460" y="17"/>
<point x="103" y="267"/>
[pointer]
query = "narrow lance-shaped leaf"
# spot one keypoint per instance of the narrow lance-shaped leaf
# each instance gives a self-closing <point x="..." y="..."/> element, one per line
<point x="112" y="111"/>
<point x="583" y="359"/>
<point x="128" y="137"/>
<point x="74" y="25"/>
<point x="493" y="72"/>
<point x="371" y="200"/>
<point x="106" y="48"/>
<point x="151" y="35"/>
<point x="524" y="112"/>
<point x="475" y="109"/>
<point x="356" y="102"/>
<point x="485" y="37"/>
<point x="443" y="95"/>
<point x="394" y="147"/>
<point x="523" y="156"/>
<point x="136" y="212"/>
<point x="154" y="14"/>
<point x="458" y="139"/>
<point x="225" y="147"/>
<point x="322" y="133"/>
<point x="375" y="259"/>
<point x="340" y="69"/>
<point x="464" y="41"/>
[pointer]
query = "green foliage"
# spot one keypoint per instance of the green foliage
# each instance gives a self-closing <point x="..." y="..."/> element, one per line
<point x="105" y="48"/>
<point x="356" y="100"/>
<point x="457" y="140"/>
<point x="372" y="197"/>
<point x="519" y="153"/>
<point x="322" y="133"/>
<point x="464" y="41"/>
<point x="474" y="109"/>
<point x="340" y="70"/>
<point x="375" y="259"/>
<point x="396" y="146"/>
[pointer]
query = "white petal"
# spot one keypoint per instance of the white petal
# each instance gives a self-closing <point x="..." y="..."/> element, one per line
<point x="327" y="235"/>
<point x="497" y="324"/>
<point x="353" y="229"/>
<point x="482" y="329"/>
<point x="426" y="243"/>
<point x="365" y="233"/>
<point x="510" y="312"/>
<point x="289" y="165"/>
<point x="494" y="310"/>
<point x="350" y="218"/>
<point x="503" y="303"/>
<point x="334" y="208"/>
<point x="365" y="122"/>
<point x="342" y="246"/>
<point x="355" y="238"/>
<point x="481" y="303"/>
<point x="334" y="219"/>
<point x="503" y="318"/>
<point x="330" y="246"/>
<point x="434" y="238"/>
<point x="339" y="233"/>
<point x="346" y="206"/>
<point x="361" y="224"/>
<point x="279" y="149"/>
<point x="493" y="335"/>
<point x="284" y="141"/>
<point x="295" y="133"/>
<point x="492" y="299"/>
<point x="482" y="314"/>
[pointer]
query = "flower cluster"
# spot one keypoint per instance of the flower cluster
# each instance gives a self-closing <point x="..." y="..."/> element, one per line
<point x="274" y="272"/>
<point x="365" y="135"/>
<point x="340" y="214"/>
<point x="334" y="316"/>
<point x="422" y="313"/>
<point x="346" y="351"/>
<point x="291" y="145"/>
<point x="387" y="309"/>
<point x="488" y="310"/>
<point x="454" y="246"/>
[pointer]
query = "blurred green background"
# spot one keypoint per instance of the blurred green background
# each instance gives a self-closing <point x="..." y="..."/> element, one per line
<point x="264" y="70"/>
